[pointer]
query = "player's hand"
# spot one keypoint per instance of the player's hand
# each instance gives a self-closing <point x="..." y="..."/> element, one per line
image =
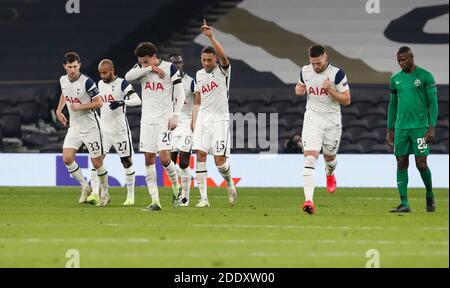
<point x="300" y="89"/>
<point x="75" y="106"/>
<point x="390" y="137"/>
<point x="158" y="71"/>
<point x="61" y="118"/>
<point x="326" y="84"/>
<point x="173" y="122"/>
<point x="429" y="137"/>
<point x="206" y="29"/>
<point x="116" y="104"/>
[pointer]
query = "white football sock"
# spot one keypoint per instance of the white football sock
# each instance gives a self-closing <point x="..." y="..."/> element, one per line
<point x="95" y="184"/>
<point x="152" y="182"/>
<point x="179" y="170"/>
<point x="129" y="181"/>
<point x="186" y="181"/>
<point x="172" y="172"/>
<point x="75" y="171"/>
<point x="308" y="177"/>
<point x="103" y="180"/>
<point x="225" y="171"/>
<point x="330" y="167"/>
<point x="202" y="176"/>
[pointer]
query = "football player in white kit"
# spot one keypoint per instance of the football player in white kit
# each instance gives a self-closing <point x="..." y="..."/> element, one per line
<point x="117" y="94"/>
<point x="327" y="88"/>
<point x="211" y="116"/>
<point x="82" y="97"/>
<point x="182" y="135"/>
<point x="162" y="101"/>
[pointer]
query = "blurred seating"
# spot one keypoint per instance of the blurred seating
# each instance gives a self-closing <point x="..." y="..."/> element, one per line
<point x="351" y="149"/>
<point x="11" y="121"/>
<point x="364" y="121"/>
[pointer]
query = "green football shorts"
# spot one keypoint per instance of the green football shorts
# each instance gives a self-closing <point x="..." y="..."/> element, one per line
<point x="409" y="141"/>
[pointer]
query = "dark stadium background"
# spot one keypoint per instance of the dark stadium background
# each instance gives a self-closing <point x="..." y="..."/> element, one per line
<point x="36" y="34"/>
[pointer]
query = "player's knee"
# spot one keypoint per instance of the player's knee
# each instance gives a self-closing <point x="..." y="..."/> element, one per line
<point x="150" y="174"/>
<point x="184" y="160"/>
<point x="329" y="158"/>
<point x="402" y="164"/>
<point x="126" y="162"/>
<point x="310" y="166"/>
<point x="174" y="156"/>
<point x="220" y="160"/>
<point x="68" y="160"/>
<point x="150" y="159"/>
<point x="201" y="156"/>
<point x="97" y="162"/>
<point x="421" y="166"/>
<point x="164" y="157"/>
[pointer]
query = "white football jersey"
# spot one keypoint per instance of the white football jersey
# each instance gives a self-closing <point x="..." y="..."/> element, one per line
<point x="157" y="94"/>
<point x="80" y="91"/>
<point x="214" y="91"/>
<point x="189" y="86"/>
<point x="318" y="100"/>
<point x="114" y="121"/>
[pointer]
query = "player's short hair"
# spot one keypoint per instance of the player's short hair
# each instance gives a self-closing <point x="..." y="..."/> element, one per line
<point x="209" y="50"/>
<point x="175" y="55"/>
<point x="316" y="51"/>
<point x="107" y="62"/>
<point x="404" y="50"/>
<point x="71" y="57"/>
<point x="145" y="49"/>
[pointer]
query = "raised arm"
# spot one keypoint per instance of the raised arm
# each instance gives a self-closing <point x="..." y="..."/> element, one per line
<point x="207" y="30"/>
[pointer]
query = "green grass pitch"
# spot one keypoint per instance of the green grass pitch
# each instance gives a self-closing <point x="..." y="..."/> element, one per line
<point x="266" y="229"/>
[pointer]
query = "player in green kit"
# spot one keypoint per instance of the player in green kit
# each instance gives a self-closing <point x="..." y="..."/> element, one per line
<point x="412" y="117"/>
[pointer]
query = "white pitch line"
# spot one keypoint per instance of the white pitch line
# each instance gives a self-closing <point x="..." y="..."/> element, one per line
<point x="255" y="254"/>
<point x="241" y="226"/>
<point x="222" y="241"/>
<point x="272" y="254"/>
<point x="244" y="226"/>
<point x="346" y="197"/>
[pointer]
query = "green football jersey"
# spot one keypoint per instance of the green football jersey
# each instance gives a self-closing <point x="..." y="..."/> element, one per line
<point x="413" y="102"/>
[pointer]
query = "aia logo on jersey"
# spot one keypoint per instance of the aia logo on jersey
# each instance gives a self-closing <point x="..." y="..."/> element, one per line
<point x="154" y="86"/>
<point x="209" y="87"/>
<point x="72" y="100"/>
<point x="314" y="91"/>
<point x="107" y="98"/>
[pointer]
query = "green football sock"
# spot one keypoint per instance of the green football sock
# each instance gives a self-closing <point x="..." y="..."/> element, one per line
<point x="426" y="177"/>
<point x="402" y="184"/>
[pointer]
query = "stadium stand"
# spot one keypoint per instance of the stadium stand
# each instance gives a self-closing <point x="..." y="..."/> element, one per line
<point x="34" y="41"/>
<point x="1" y="137"/>
<point x="264" y="71"/>
<point x="365" y="46"/>
<point x="52" y="33"/>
